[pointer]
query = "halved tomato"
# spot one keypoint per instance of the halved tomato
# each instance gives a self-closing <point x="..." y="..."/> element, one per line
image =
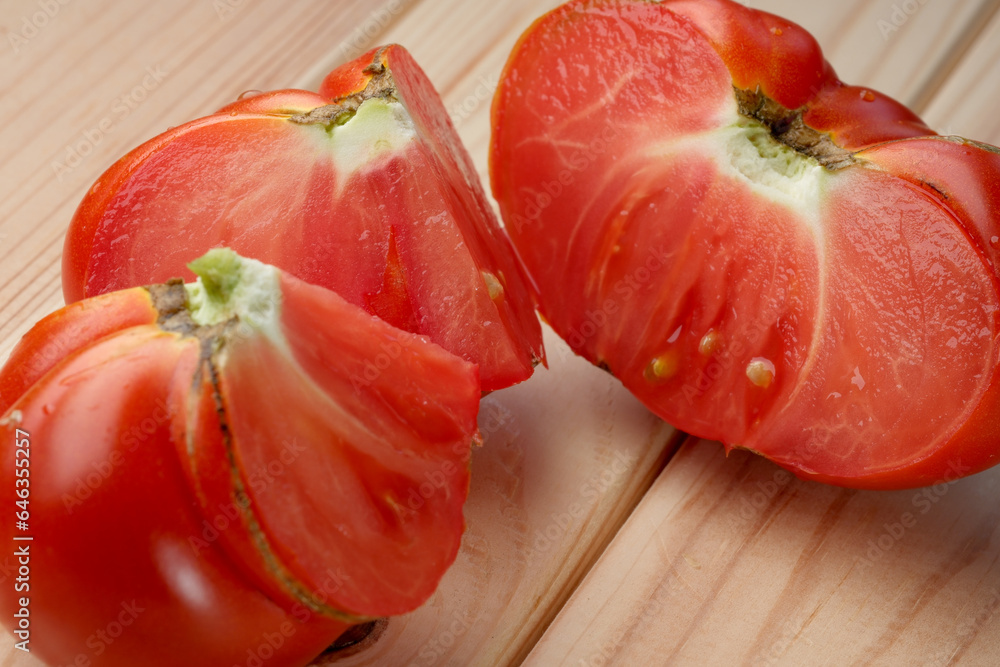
<point x="364" y="189"/>
<point x="207" y="474"/>
<point x="764" y="255"/>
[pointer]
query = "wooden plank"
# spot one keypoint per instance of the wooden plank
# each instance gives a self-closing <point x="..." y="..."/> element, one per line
<point x="901" y="47"/>
<point x="733" y="561"/>
<point x="966" y="104"/>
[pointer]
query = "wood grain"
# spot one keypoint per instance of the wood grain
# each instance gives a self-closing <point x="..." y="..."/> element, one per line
<point x="569" y="454"/>
<point x="733" y="561"/>
<point x="967" y="103"/>
<point x="905" y="49"/>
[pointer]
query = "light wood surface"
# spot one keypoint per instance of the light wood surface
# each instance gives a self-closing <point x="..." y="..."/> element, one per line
<point x="966" y="105"/>
<point x="733" y="561"/>
<point x="703" y="571"/>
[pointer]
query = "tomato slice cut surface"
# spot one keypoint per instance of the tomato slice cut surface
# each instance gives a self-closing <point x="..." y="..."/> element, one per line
<point x="804" y="292"/>
<point x="364" y="189"/>
<point x="343" y="447"/>
<point x="364" y="434"/>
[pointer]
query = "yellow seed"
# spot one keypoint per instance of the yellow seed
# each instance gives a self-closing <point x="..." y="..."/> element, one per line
<point x="710" y="343"/>
<point x="493" y="286"/>
<point x="760" y="371"/>
<point x="397" y="509"/>
<point x="663" y="367"/>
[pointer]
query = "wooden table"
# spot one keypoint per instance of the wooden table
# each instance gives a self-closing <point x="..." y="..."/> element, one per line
<point x="597" y="535"/>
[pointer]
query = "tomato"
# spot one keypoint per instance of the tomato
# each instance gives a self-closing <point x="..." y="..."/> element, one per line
<point x="215" y="479"/>
<point x="364" y="189"/>
<point x="763" y="254"/>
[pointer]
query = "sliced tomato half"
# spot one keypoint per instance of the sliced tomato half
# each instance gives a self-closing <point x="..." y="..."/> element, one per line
<point x="764" y="255"/>
<point x="364" y="189"/>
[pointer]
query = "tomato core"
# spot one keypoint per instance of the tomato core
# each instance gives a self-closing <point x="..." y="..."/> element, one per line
<point x="788" y="128"/>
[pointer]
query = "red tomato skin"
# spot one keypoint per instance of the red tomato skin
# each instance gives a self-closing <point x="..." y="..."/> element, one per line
<point x="567" y="240"/>
<point x="117" y="507"/>
<point x="282" y="102"/>
<point x="785" y="62"/>
<point x="65" y="330"/>
<point x="349" y="78"/>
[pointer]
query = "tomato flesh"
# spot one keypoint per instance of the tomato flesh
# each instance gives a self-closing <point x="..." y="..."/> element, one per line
<point x="382" y="489"/>
<point x="794" y="290"/>
<point x="383" y="191"/>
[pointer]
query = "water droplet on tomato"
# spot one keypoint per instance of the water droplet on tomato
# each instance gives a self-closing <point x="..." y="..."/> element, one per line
<point x="249" y="93"/>
<point x="232" y="113"/>
<point x="663" y="367"/>
<point x="868" y="96"/>
<point x="760" y="371"/>
<point x="776" y="31"/>
<point x="675" y="335"/>
<point x="710" y="343"/>
<point x="994" y="239"/>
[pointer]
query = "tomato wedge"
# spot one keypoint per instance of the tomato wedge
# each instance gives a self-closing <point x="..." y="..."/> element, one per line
<point x="764" y="255"/>
<point x="228" y="469"/>
<point x="364" y="189"/>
